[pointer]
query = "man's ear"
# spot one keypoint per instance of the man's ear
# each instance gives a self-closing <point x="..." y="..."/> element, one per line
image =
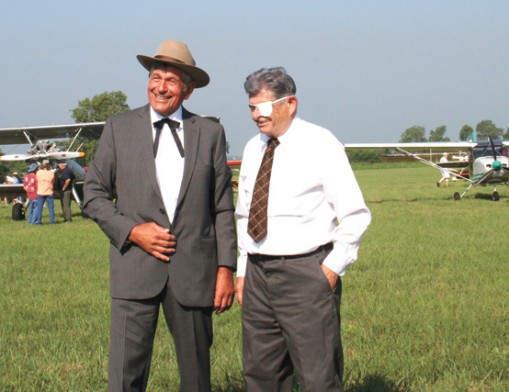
<point x="190" y="89"/>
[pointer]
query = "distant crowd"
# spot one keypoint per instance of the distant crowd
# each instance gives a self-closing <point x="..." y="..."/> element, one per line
<point x="40" y="183"/>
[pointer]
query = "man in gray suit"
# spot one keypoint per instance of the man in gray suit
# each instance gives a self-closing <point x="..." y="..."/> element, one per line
<point x="162" y="194"/>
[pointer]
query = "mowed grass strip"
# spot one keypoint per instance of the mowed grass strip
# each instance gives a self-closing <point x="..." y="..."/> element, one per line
<point x="424" y="307"/>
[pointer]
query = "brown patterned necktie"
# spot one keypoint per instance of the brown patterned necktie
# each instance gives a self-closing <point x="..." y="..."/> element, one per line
<point x="174" y="125"/>
<point x="257" y="222"/>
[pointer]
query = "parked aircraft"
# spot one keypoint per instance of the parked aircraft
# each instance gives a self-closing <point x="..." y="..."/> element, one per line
<point x="41" y="148"/>
<point x="488" y="162"/>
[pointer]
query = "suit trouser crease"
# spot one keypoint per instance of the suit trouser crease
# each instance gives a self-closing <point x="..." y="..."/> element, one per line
<point x="133" y="327"/>
<point x="291" y="322"/>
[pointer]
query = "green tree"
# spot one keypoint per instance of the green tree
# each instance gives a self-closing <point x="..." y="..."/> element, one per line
<point x="466" y="132"/>
<point x="100" y="107"/>
<point x="438" y="134"/>
<point x="413" y="134"/>
<point x="487" y="128"/>
<point x="506" y="134"/>
<point x="97" y="108"/>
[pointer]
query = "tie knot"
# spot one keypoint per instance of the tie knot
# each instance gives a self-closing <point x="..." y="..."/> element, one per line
<point x="273" y="143"/>
<point x="171" y="123"/>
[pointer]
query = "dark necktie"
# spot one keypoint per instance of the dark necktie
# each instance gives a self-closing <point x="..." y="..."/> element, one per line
<point x="174" y="125"/>
<point x="257" y="222"/>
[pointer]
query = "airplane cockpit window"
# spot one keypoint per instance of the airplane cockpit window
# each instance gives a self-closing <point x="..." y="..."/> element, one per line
<point x="484" y="149"/>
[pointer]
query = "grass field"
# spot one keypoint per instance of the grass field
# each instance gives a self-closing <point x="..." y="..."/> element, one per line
<point x="425" y="307"/>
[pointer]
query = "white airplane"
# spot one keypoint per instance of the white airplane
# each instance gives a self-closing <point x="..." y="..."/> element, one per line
<point x="487" y="162"/>
<point x="41" y="148"/>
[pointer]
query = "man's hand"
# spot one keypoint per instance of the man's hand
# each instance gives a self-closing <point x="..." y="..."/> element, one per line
<point x="223" y="298"/>
<point x="154" y="239"/>
<point x="239" y="289"/>
<point x="331" y="276"/>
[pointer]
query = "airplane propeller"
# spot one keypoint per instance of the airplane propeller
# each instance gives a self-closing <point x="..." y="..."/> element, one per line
<point x="496" y="165"/>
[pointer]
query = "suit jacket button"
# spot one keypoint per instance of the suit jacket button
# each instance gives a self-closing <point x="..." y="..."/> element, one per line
<point x="162" y="211"/>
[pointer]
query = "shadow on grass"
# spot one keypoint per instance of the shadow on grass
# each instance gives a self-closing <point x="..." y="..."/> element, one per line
<point x="371" y="383"/>
<point x="483" y="196"/>
<point x="376" y="383"/>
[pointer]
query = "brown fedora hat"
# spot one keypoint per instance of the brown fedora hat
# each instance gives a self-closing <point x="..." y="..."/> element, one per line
<point x="176" y="54"/>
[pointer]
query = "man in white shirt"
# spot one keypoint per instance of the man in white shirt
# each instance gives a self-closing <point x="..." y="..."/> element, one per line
<point x="446" y="174"/>
<point x="288" y="282"/>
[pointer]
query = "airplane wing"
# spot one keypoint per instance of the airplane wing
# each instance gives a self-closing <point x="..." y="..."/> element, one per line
<point x="21" y="135"/>
<point x="414" y="147"/>
<point x="47" y="155"/>
<point x="423" y="152"/>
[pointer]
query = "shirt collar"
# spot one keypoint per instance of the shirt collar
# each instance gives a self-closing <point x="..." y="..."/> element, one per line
<point x="177" y="116"/>
<point x="284" y="138"/>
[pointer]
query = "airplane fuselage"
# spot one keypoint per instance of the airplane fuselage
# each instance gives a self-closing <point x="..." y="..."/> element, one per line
<point x="483" y="165"/>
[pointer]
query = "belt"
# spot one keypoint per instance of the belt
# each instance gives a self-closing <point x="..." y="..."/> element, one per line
<point x="257" y="258"/>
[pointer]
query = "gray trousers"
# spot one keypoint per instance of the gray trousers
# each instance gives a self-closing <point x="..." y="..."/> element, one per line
<point x="65" y="202"/>
<point x="133" y="327"/>
<point x="291" y="323"/>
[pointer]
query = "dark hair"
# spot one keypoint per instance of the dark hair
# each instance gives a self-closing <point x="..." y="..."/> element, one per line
<point x="274" y="79"/>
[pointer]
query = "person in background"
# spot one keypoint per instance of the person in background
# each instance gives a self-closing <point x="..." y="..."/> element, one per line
<point x="3" y="181"/>
<point x="160" y="189"/>
<point x="446" y="174"/>
<point x="65" y="183"/>
<point x="297" y="236"/>
<point x="45" y="182"/>
<point x="30" y="187"/>
<point x="15" y="179"/>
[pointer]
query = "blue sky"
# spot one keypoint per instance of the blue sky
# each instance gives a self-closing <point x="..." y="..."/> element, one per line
<point x="367" y="70"/>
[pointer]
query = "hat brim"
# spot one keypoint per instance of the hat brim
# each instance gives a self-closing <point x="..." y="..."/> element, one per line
<point x="198" y="75"/>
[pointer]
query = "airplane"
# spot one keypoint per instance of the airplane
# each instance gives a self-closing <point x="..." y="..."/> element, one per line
<point x="42" y="149"/>
<point x="487" y="163"/>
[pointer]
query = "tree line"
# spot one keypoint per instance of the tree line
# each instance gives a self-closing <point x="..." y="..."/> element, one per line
<point x="104" y="105"/>
<point x="483" y="130"/>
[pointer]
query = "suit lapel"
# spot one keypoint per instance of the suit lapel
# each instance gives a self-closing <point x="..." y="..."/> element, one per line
<point x="191" y="139"/>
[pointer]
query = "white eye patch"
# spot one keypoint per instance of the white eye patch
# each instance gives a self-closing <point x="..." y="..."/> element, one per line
<point x="265" y="108"/>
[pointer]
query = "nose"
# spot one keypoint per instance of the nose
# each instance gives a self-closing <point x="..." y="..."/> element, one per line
<point x="162" y="86"/>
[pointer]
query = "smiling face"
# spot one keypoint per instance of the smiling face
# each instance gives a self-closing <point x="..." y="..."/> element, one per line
<point x="167" y="89"/>
<point x="277" y="122"/>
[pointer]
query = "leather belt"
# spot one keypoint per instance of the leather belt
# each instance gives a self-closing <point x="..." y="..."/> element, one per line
<point x="257" y="258"/>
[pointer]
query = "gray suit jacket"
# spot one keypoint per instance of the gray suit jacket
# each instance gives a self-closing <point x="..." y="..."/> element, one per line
<point x="121" y="191"/>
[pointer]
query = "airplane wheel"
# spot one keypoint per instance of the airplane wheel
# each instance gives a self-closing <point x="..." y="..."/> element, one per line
<point x="457" y="196"/>
<point x="495" y="196"/>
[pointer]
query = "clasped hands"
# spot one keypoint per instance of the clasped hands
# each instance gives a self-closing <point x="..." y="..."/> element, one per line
<point x="159" y="242"/>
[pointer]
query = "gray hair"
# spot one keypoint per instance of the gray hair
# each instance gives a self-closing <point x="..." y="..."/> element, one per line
<point x="274" y="79"/>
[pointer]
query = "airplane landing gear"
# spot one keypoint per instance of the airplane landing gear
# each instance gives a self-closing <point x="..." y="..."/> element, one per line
<point x="495" y="196"/>
<point x="457" y="196"/>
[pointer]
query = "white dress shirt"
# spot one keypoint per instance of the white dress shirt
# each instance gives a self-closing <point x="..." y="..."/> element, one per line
<point x="314" y="198"/>
<point x="169" y="163"/>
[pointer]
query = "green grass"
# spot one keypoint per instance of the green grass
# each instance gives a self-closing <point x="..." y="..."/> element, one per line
<point x="424" y="308"/>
